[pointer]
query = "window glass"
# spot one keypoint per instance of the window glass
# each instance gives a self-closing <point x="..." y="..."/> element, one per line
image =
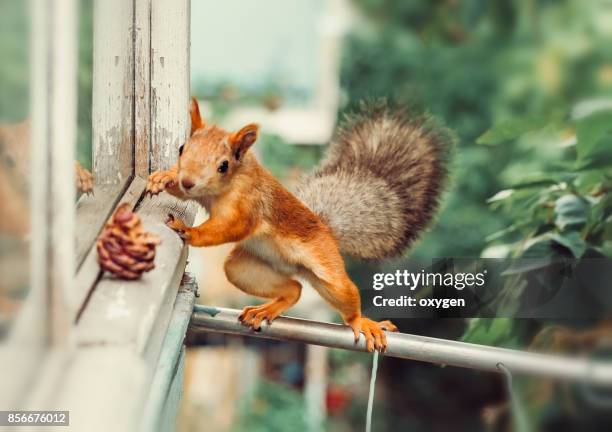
<point x="84" y="73"/>
<point x="14" y="159"/>
<point x="15" y="145"/>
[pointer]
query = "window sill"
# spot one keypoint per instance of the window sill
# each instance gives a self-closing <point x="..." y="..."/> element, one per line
<point x="119" y="331"/>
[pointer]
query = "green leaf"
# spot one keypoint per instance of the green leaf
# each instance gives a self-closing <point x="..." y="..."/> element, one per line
<point x="540" y="252"/>
<point x="589" y="131"/>
<point x="543" y="180"/>
<point x="490" y="331"/>
<point x="606" y="248"/>
<point x="519" y="266"/>
<point x="501" y="233"/>
<point x="589" y="180"/>
<point x="599" y="155"/>
<point x="511" y="129"/>
<point x="501" y="195"/>
<point x="571" y="241"/>
<point x="594" y="146"/>
<point x="571" y="210"/>
<point x="537" y="254"/>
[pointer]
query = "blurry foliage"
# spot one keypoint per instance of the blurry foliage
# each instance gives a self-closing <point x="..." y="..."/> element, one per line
<point x="472" y="64"/>
<point x="285" y="161"/>
<point x="521" y="65"/>
<point x="274" y="407"/>
<point x="14" y="68"/>
<point x="537" y="183"/>
<point x="567" y="209"/>
<point x="494" y="332"/>
<point x="561" y="216"/>
<point x="85" y="82"/>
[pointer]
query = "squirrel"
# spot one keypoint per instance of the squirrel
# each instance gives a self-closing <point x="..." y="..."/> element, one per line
<point x="15" y="174"/>
<point x="373" y="194"/>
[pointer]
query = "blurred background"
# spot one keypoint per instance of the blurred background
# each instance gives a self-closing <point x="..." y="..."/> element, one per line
<point x="518" y="81"/>
<point x="526" y="87"/>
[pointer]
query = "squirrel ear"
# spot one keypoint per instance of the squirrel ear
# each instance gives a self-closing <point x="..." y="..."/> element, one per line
<point x="242" y="140"/>
<point x="196" y="118"/>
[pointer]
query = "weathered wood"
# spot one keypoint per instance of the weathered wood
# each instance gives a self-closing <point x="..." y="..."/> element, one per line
<point x="113" y="91"/>
<point x="120" y="330"/>
<point x="137" y="312"/>
<point x="39" y="166"/>
<point x="92" y="211"/>
<point x="142" y="86"/>
<point x="115" y="379"/>
<point x="53" y="368"/>
<point x="169" y="80"/>
<point x="133" y="316"/>
<point x="104" y="389"/>
<point x="89" y="271"/>
<point x="62" y="127"/>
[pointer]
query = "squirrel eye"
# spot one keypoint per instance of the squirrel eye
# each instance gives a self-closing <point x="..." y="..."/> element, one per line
<point x="223" y="167"/>
<point x="181" y="149"/>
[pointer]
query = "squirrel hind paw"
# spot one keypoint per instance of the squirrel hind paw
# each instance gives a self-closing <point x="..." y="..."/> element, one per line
<point x="373" y="331"/>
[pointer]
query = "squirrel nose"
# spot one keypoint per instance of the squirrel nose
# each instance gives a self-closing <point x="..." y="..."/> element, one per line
<point x="187" y="183"/>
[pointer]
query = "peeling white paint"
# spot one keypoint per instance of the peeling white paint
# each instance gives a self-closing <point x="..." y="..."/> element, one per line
<point x="118" y="308"/>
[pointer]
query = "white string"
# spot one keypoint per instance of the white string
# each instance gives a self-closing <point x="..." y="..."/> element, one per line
<point x="521" y="423"/>
<point x="371" y="394"/>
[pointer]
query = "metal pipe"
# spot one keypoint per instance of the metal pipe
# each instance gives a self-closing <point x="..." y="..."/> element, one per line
<point x="411" y="347"/>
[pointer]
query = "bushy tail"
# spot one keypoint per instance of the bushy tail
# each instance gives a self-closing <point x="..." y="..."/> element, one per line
<point x="380" y="183"/>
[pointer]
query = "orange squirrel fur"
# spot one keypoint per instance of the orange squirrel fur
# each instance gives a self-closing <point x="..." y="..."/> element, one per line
<point x="15" y="174"/>
<point x="280" y="238"/>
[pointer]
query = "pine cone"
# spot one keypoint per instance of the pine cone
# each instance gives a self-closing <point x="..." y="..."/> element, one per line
<point x="124" y="248"/>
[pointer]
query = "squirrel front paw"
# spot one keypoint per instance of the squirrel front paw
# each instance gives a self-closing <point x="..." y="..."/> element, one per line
<point x="373" y="331"/>
<point x="160" y="181"/>
<point x="84" y="179"/>
<point x="179" y="227"/>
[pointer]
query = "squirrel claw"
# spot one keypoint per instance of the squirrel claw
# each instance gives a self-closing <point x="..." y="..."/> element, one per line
<point x="160" y="181"/>
<point x="179" y="227"/>
<point x="253" y="316"/>
<point x="185" y="236"/>
<point x="373" y="331"/>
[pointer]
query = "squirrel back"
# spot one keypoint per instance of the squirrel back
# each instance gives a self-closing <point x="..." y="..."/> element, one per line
<point x="380" y="182"/>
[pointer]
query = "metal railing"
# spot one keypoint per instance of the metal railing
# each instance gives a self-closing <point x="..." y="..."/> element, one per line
<point x="412" y="347"/>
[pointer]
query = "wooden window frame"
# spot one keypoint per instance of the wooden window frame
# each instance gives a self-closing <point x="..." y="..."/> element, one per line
<point x="120" y="326"/>
<point x="105" y="334"/>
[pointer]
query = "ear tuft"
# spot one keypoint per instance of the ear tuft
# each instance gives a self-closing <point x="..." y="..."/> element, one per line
<point x="243" y="139"/>
<point x="196" y="118"/>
